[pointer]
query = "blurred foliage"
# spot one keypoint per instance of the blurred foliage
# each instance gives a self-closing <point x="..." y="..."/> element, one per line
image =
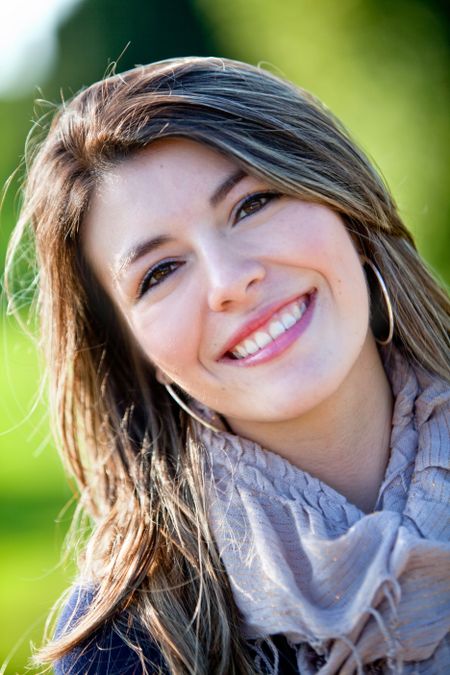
<point x="382" y="67"/>
<point x="33" y="496"/>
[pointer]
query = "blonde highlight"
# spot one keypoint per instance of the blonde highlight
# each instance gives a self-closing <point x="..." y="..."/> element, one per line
<point x="138" y="468"/>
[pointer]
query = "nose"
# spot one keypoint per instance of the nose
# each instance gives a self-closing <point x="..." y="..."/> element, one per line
<point x="232" y="277"/>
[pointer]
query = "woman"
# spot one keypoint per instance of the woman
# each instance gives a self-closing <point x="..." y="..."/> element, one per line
<point x="249" y="366"/>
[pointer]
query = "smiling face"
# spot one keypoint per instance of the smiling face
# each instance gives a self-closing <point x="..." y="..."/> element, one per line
<point x="253" y="302"/>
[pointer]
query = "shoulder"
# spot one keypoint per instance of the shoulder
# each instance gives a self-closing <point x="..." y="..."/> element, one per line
<point x="105" y="652"/>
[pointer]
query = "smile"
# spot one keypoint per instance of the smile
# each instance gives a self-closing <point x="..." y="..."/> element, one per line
<point x="274" y="335"/>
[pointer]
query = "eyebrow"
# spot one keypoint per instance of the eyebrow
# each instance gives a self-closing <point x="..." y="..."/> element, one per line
<point x="224" y="188"/>
<point x="138" y="251"/>
<point x="143" y="248"/>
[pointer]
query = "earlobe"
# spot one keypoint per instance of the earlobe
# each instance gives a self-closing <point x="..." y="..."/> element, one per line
<point x="161" y="377"/>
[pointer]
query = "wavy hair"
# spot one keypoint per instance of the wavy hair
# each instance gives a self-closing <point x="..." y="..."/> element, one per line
<point x="140" y="476"/>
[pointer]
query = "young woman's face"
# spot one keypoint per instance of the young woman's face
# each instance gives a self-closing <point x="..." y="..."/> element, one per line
<point x="253" y="302"/>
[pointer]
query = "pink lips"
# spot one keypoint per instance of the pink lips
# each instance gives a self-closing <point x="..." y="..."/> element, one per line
<point x="281" y="343"/>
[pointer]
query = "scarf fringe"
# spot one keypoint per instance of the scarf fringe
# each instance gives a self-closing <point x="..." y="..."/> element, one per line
<point x="271" y="667"/>
<point x="394" y="662"/>
<point x="345" y="588"/>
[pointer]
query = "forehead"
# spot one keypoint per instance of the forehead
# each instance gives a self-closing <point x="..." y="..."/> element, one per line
<point x="148" y="191"/>
<point x="164" y="165"/>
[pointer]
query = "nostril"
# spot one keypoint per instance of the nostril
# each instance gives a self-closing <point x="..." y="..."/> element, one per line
<point x="231" y="275"/>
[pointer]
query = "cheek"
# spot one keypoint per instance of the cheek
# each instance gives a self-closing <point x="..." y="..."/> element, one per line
<point x="338" y="260"/>
<point x="334" y="256"/>
<point x="305" y="236"/>
<point x="169" y="343"/>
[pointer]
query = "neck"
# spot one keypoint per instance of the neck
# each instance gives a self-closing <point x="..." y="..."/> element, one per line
<point x="350" y="451"/>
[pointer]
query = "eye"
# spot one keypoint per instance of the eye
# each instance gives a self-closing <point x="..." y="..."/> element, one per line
<point x="254" y="203"/>
<point x="157" y="274"/>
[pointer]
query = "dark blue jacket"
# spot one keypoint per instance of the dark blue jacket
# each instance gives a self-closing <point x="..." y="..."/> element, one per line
<point x="105" y="653"/>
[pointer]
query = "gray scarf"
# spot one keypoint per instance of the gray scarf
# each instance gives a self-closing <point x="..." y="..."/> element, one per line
<point x="346" y="588"/>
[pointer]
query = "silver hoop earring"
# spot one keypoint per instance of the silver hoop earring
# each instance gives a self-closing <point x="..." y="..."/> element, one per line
<point x="189" y="411"/>
<point x="387" y="301"/>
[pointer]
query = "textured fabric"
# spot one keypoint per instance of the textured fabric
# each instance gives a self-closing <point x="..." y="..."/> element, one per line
<point x="345" y="587"/>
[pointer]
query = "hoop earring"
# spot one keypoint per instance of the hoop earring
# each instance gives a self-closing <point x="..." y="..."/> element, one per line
<point x="387" y="301"/>
<point x="189" y="411"/>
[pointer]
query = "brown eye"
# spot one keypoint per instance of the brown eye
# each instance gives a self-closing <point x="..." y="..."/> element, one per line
<point x="254" y="203"/>
<point x="157" y="275"/>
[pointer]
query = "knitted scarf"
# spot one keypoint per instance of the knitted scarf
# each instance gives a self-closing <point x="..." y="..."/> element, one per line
<point x="346" y="588"/>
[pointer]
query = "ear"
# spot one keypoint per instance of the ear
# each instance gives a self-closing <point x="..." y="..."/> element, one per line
<point x="161" y="377"/>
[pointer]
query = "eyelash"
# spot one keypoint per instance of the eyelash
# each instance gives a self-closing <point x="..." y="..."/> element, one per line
<point x="170" y="266"/>
<point x="254" y="198"/>
<point x="146" y="284"/>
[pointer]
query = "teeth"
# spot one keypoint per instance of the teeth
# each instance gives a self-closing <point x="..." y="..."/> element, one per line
<point x="239" y="351"/>
<point x="250" y="346"/>
<point x="296" y="311"/>
<point x="262" y="339"/>
<point x="288" y="320"/>
<point x="276" y="328"/>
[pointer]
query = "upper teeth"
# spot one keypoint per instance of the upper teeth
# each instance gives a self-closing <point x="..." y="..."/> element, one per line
<point x="279" y="323"/>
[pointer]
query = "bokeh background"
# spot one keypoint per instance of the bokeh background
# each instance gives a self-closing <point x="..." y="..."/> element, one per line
<point x="381" y="66"/>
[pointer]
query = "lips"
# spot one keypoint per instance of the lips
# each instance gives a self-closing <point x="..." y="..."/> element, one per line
<point x="271" y="327"/>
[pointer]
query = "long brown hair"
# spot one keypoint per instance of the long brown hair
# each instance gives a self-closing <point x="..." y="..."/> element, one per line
<point x="139" y="473"/>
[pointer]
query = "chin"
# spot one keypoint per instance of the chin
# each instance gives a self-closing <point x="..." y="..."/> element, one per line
<point x="306" y="395"/>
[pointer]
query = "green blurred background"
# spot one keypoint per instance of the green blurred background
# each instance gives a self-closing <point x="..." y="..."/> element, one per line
<point x="381" y="66"/>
